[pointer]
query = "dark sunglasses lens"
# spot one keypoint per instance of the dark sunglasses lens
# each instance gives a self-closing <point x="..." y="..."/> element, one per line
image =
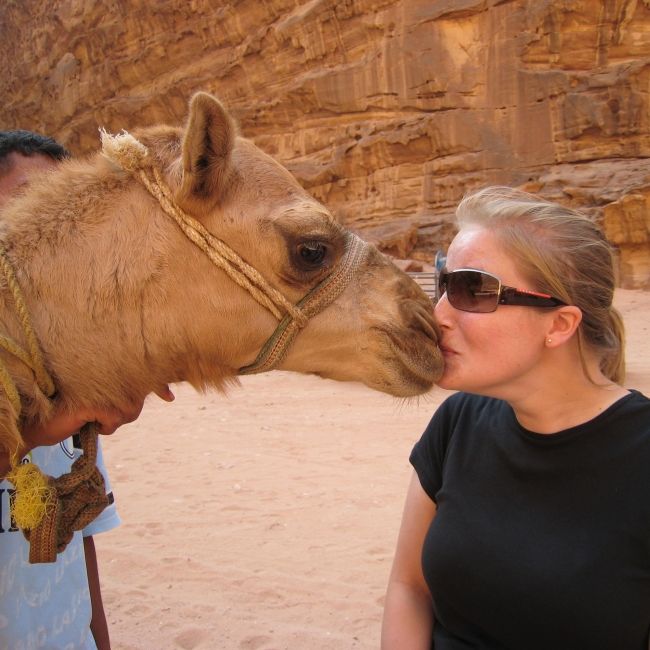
<point x="472" y="291"/>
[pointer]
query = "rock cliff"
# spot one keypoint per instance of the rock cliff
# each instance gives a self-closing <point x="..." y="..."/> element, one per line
<point x="386" y="110"/>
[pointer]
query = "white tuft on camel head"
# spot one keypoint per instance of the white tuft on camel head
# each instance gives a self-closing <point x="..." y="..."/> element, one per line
<point x="124" y="150"/>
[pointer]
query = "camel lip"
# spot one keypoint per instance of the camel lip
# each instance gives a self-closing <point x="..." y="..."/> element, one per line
<point x="419" y="356"/>
<point x="402" y="339"/>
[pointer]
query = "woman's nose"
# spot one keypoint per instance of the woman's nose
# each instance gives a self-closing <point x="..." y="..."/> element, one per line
<point x="442" y="309"/>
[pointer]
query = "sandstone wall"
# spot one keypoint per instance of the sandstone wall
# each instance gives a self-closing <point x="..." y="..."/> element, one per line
<point x="386" y="110"/>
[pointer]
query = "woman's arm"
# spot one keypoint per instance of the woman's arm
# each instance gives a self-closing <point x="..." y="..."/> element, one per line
<point x="408" y="612"/>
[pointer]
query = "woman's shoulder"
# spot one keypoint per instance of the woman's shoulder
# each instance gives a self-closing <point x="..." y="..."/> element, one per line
<point x="638" y="398"/>
<point x="461" y="419"/>
<point x="634" y="404"/>
<point x="633" y="408"/>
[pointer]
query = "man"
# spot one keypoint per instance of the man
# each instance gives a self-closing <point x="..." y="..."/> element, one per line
<point x="23" y="153"/>
<point x="57" y="605"/>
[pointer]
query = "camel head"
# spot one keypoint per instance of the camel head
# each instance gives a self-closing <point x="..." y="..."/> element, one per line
<point x="379" y="330"/>
<point x="124" y="299"/>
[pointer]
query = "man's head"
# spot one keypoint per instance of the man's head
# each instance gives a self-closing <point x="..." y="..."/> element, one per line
<point x="23" y="153"/>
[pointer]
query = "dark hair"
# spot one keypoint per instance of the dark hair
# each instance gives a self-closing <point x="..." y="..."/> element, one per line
<point x="29" y="144"/>
<point x="563" y="253"/>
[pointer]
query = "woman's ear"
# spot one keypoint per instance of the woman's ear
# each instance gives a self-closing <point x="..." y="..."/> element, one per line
<point x="563" y="325"/>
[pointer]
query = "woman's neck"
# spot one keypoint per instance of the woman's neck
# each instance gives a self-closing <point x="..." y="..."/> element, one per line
<point x="560" y="407"/>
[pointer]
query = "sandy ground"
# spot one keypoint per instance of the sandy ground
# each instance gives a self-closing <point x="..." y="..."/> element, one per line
<point x="267" y="519"/>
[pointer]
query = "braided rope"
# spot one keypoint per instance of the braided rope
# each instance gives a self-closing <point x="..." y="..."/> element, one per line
<point x="323" y="294"/>
<point x="13" y="348"/>
<point x="10" y="389"/>
<point x="74" y="500"/>
<point x="124" y="150"/>
<point x="250" y="277"/>
<point x="32" y="357"/>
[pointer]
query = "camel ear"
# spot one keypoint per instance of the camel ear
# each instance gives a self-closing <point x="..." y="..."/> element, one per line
<point x="207" y="144"/>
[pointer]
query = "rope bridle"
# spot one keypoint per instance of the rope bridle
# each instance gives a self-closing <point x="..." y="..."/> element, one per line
<point x="131" y="155"/>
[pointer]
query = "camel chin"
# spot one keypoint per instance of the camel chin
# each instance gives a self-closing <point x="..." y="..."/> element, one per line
<point x="410" y="373"/>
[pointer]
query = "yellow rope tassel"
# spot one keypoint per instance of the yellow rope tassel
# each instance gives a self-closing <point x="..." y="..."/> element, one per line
<point x="33" y="496"/>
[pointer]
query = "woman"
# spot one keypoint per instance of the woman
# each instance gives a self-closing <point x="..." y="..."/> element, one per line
<point x="527" y="521"/>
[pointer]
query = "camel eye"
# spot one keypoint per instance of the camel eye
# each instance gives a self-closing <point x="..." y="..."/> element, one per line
<point x="312" y="253"/>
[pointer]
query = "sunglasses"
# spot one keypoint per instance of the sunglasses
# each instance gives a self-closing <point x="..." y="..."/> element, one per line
<point x="481" y="292"/>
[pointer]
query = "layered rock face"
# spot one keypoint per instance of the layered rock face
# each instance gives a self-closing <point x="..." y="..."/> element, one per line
<point x="386" y="110"/>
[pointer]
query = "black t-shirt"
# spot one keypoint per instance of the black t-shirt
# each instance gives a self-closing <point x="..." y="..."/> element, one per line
<point x="539" y="541"/>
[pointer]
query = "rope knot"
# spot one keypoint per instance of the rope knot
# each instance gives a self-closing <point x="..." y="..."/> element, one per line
<point x="124" y="150"/>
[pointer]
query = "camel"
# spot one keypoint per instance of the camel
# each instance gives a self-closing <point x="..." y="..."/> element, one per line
<point x="172" y="254"/>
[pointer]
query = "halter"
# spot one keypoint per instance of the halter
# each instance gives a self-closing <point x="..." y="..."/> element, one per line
<point x="323" y="294"/>
<point x="131" y="155"/>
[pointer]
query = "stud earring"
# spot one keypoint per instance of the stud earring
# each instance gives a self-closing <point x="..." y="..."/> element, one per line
<point x="549" y="340"/>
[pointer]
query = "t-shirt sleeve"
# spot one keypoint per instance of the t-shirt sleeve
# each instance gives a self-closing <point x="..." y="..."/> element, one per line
<point x="428" y="454"/>
<point x="107" y="518"/>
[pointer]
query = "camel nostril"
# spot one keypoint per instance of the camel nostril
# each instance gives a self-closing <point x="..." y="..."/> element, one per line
<point x="427" y="325"/>
<point x="419" y="312"/>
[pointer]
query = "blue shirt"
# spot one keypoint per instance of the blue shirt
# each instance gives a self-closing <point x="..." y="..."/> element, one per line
<point x="47" y="606"/>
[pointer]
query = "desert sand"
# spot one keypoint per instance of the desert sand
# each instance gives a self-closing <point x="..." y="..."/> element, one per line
<point x="266" y="519"/>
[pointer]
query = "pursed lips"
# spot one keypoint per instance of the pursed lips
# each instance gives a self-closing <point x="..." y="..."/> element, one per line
<point x="446" y="350"/>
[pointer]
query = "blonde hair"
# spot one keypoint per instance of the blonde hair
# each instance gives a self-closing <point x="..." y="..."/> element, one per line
<point x="563" y="253"/>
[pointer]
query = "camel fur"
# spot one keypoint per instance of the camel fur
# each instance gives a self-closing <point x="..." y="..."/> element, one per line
<point x="123" y="304"/>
